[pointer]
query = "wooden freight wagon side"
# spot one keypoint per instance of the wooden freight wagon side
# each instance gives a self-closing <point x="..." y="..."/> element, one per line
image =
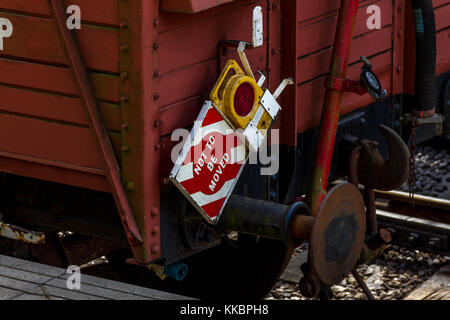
<point x="390" y="49"/>
<point x="44" y="128"/>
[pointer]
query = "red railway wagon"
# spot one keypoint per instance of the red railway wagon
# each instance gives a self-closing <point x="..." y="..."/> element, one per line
<point x="86" y="118"/>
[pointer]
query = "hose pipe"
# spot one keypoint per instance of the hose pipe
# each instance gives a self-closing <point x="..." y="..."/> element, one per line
<point x="425" y="77"/>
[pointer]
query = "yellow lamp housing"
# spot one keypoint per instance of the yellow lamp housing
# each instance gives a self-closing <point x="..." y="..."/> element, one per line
<point x="263" y="112"/>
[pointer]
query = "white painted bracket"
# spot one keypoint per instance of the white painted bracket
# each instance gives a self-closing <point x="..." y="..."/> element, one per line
<point x="282" y="86"/>
<point x="258" y="27"/>
<point x="262" y="79"/>
<point x="244" y="60"/>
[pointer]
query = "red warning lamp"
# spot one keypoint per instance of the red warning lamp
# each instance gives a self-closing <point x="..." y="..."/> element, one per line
<point x="244" y="99"/>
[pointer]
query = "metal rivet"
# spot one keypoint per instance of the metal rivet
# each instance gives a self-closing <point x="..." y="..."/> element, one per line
<point x="125" y="148"/>
<point x="156" y="22"/>
<point x="124" y="75"/>
<point x="157" y="124"/>
<point x="399" y="69"/>
<point x="158" y="146"/>
<point x="275" y="5"/>
<point x="399" y="32"/>
<point x="124" y="24"/>
<point x="274" y="51"/>
<point x="155" y="229"/>
<point x="155" y="248"/>
<point x="131" y="186"/>
<point x="124" y="48"/>
<point x="154" y="212"/>
<point x="156" y="45"/>
<point x="156" y="96"/>
<point x="125" y="98"/>
<point x="125" y="125"/>
<point x="156" y="74"/>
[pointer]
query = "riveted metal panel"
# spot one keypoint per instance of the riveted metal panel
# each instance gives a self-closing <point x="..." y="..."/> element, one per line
<point x="139" y="86"/>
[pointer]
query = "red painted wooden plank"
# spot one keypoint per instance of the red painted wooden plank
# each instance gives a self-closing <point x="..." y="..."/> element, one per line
<point x="312" y="93"/>
<point x="168" y="21"/>
<point x="310" y="9"/>
<point x="190" y="6"/>
<point x="63" y="173"/>
<point x="199" y="41"/>
<point x="51" y="141"/>
<point x="366" y="45"/>
<point x="180" y="115"/>
<point x="442" y="16"/>
<point x="321" y="34"/>
<point x="188" y="82"/>
<point x="93" y="11"/>
<point x="37" y="39"/>
<point x="198" y="79"/>
<point x="55" y="107"/>
<point x="57" y="79"/>
<point x="438" y="3"/>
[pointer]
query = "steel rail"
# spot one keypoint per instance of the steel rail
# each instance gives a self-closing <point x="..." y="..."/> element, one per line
<point x="420" y="200"/>
<point x="416" y="232"/>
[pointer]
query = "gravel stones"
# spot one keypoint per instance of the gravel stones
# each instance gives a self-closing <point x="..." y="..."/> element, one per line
<point x="432" y="172"/>
<point x="391" y="276"/>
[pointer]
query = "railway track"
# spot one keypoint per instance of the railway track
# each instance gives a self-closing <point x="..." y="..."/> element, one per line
<point x="426" y="226"/>
<point x="419" y="248"/>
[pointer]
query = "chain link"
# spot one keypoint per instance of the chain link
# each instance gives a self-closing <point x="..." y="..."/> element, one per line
<point x="412" y="162"/>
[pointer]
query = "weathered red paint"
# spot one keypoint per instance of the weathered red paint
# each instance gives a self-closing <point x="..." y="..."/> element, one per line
<point x="190" y="6"/>
<point x="332" y="104"/>
<point x="47" y="130"/>
<point x="88" y="99"/>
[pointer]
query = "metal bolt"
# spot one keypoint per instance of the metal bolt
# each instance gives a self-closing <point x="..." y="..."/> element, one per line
<point x="154" y="212"/>
<point x="275" y="5"/>
<point x="274" y="51"/>
<point x="434" y="243"/>
<point x="399" y="32"/>
<point x="155" y="229"/>
<point x="155" y="248"/>
<point x="124" y="48"/>
<point x="156" y="96"/>
<point x="124" y="75"/>
<point x="125" y="125"/>
<point x="156" y="22"/>
<point x="125" y="98"/>
<point x="156" y="45"/>
<point x="131" y="186"/>
<point x="125" y="148"/>
<point x="413" y="237"/>
<point x="157" y="124"/>
<point x="124" y="24"/>
<point x="156" y="74"/>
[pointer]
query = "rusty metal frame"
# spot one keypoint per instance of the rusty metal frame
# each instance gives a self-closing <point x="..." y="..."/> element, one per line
<point x="89" y="101"/>
<point x="332" y="104"/>
<point x="141" y="145"/>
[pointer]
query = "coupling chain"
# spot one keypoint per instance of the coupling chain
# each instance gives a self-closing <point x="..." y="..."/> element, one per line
<point x="412" y="161"/>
